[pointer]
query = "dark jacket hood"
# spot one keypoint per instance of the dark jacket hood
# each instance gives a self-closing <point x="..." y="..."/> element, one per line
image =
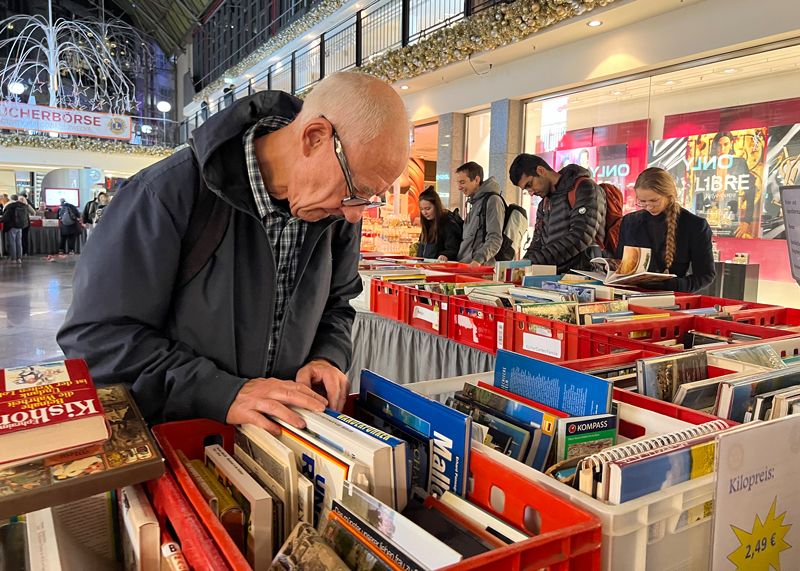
<point x="569" y="174"/>
<point x="217" y="143"/>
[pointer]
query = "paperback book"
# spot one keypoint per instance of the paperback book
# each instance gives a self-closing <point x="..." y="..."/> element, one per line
<point x="584" y="435"/>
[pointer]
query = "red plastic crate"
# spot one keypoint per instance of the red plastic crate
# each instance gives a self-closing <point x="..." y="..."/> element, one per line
<point x="557" y="341"/>
<point x="622" y="358"/>
<point x="769" y="316"/>
<point x="593" y="339"/>
<point x="481" y="272"/>
<point x="568" y="538"/>
<point x="479" y="325"/>
<point x="191" y="437"/>
<point x="388" y="299"/>
<point x="700" y="301"/>
<point x="428" y="311"/>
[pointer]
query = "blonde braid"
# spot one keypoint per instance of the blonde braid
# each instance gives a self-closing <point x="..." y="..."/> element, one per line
<point x="673" y="210"/>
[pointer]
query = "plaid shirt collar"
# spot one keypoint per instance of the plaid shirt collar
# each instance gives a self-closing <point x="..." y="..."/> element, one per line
<point x="264" y="203"/>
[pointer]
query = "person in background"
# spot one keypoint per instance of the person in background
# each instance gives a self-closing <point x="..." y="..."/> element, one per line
<point x="441" y="229"/>
<point x="23" y="199"/>
<point x="483" y="229"/>
<point x="15" y="218"/>
<point x="69" y="223"/>
<point x="89" y="209"/>
<point x="679" y="240"/>
<point x="566" y="235"/>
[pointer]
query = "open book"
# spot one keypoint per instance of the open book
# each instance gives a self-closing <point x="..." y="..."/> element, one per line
<point x="630" y="270"/>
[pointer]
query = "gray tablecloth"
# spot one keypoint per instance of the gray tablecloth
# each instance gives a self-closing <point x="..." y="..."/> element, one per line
<point x="44" y="240"/>
<point x="406" y="355"/>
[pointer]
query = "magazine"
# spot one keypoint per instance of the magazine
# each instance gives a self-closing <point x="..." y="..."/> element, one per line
<point x="630" y="270"/>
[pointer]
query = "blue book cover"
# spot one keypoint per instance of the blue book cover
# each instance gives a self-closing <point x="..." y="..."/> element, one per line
<point x="376" y="433"/>
<point x="448" y="430"/>
<point x="537" y="281"/>
<point x="573" y="392"/>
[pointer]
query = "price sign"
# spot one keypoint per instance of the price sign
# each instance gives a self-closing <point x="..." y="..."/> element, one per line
<point x="757" y="499"/>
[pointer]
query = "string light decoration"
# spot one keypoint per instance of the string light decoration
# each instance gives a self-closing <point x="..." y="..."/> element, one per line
<point x="81" y="64"/>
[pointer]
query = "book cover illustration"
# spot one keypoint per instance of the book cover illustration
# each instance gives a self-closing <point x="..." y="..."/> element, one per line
<point x="448" y="431"/>
<point x="556" y="311"/>
<point x="660" y="377"/>
<point x="630" y="270"/>
<point x="347" y="544"/>
<point x="35" y="376"/>
<point x="586" y="435"/>
<point x="573" y="392"/>
<point x="305" y="549"/>
<point x="761" y="355"/>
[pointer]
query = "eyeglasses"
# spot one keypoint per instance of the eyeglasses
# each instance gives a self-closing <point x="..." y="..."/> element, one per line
<point x="353" y="199"/>
<point x="646" y="203"/>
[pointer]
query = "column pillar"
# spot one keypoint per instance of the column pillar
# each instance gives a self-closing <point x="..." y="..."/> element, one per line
<point x="450" y="156"/>
<point x="505" y="143"/>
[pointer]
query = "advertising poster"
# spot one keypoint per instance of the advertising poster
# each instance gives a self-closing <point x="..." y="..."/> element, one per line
<point x="783" y="169"/>
<point x="720" y="177"/>
<point x="583" y="156"/>
<point x="613" y="167"/>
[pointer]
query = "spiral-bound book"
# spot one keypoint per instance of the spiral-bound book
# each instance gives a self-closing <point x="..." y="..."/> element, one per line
<point x="643" y="463"/>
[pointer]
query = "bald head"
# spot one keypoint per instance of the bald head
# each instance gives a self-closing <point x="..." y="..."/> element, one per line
<point x="364" y="110"/>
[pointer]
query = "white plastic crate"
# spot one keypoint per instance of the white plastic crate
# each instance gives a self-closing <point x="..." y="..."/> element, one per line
<point x="650" y="533"/>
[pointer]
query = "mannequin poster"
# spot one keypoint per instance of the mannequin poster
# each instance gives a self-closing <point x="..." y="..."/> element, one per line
<point x="720" y="177"/>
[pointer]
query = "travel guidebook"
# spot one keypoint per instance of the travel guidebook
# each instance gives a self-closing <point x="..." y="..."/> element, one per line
<point x="448" y="431"/>
<point x="573" y="392"/>
<point x="630" y="270"/>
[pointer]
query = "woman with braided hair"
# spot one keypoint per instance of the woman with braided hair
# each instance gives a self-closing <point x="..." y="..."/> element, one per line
<point x="680" y="241"/>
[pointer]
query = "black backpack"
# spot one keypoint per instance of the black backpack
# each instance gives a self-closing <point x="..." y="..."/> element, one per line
<point x="456" y="219"/>
<point x="21" y="219"/>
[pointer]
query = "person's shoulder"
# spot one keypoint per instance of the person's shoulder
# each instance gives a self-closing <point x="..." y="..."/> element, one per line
<point x="176" y="167"/>
<point x="635" y="217"/>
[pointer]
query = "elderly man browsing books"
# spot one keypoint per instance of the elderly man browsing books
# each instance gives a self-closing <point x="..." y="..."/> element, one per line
<point x="234" y="260"/>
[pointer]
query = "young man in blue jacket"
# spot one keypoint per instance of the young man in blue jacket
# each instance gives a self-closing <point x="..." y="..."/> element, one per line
<point x="271" y="304"/>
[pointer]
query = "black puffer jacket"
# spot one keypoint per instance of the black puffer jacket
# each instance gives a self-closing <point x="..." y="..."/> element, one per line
<point x="562" y="234"/>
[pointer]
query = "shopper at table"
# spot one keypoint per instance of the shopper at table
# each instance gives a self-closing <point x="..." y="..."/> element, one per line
<point x="23" y="198"/>
<point x="15" y="218"/>
<point x="441" y="229"/>
<point x="680" y="241"/>
<point x="483" y="228"/>
<point x="69" y="222"/>
<point x="568" y="231"/>
<point x="216" y="328"/>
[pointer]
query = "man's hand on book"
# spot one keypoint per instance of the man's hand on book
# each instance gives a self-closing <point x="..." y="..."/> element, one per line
<point x="335" y="382"/>
<point x="261" y="398"/>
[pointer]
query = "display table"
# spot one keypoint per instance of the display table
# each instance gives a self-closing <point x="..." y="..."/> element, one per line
<point x="406" y="355"/>
<point x="44" y="240"/>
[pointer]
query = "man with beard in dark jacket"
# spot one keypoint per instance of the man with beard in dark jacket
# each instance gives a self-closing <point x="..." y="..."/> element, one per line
<point x="271" y="303"/>
<point x="565" y="235"/>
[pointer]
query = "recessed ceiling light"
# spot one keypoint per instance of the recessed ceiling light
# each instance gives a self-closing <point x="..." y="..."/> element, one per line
<point x="404" y="87"/>
<point x="729" y="70"/>
<point x="669" y="82"/>
<point x="594" y="23"/>
<point x="616" y="92"/>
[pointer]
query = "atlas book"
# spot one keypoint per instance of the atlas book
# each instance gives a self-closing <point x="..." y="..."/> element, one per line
<point x="630" y="270"/>
<point x="447" y="430"/>
<point x="129" y="456"/>
<point x="47" y="409"/>
<point x="585" y="435"/>
<point x="563" y="389"/>
<point x="660" y="377"/>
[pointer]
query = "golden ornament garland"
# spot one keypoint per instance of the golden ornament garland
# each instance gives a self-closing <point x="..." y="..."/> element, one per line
<point x="495" y="27"/>
<point x="82" y="144"/>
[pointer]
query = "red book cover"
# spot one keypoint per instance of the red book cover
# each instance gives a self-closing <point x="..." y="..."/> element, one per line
<point x="48" y="408"/>
<point x="523" y="400"/>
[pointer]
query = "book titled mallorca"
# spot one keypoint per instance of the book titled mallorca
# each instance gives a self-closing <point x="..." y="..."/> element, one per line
<point x="48" y="408"/>
<point x="448" y="431"/>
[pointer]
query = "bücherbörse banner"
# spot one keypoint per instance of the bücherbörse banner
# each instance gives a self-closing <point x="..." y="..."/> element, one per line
<point x="24" y="117"/>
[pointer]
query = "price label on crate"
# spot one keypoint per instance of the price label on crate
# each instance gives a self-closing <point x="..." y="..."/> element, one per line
<point x="757" y="501"/>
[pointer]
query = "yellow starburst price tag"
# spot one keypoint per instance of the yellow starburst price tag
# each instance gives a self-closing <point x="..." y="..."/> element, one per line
<point x="761" y="547"/>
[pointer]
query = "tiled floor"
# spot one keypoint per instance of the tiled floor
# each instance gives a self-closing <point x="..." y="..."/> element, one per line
<point x="33" y="302"/>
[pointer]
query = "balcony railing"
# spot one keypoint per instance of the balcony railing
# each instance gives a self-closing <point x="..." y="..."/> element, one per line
<point x="375" y="29"/>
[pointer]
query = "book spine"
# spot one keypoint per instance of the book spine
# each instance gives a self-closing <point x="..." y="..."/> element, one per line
<point x="364" y="428"/>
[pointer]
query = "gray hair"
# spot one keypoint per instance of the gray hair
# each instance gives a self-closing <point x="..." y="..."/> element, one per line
<point x="14" y="197"/>
<point x="360" y="106"/>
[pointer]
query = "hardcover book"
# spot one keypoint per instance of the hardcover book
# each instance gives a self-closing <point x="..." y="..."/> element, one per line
<point x="448" y="431"/>
<point x="660" y="377"/>
<point x="563" y="389"/>
<point x="46" y="409"/>
<point x="129" y="457"/>
<point x="736" y="398"/>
